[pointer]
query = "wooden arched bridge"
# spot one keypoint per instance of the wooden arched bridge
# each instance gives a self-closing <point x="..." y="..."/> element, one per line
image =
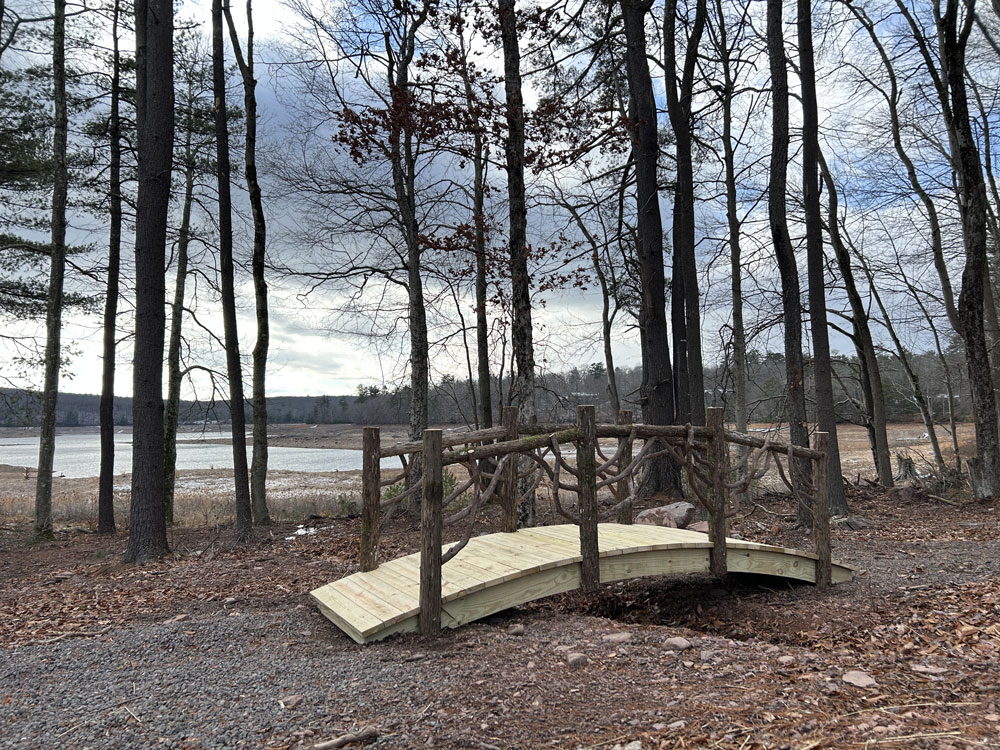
<point x="497" y="571"/>
<point x="447" y="586"/>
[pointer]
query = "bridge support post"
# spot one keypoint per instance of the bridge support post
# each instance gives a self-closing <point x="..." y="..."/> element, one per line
<point x="508" y="483"/>
<point x="586" y="464"/>
<point x="625" y="485"/>
<point x="370" y="498"/>
<point x="821" y="509"/>
<point x="430" y="535"/>
<point x="719" y="461"/>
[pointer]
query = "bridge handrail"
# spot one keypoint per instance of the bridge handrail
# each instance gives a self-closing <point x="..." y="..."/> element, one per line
<point x="701" y="450"/>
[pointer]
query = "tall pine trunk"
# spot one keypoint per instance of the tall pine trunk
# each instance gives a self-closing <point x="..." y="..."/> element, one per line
<point x="57" y="270"/>
<point x="521" y="326"/>
<point x="816" y="265"/>
<point x="783" y="251"/>
<point x="154" y="22"/>
<point x="234" y="368"/>
<point x="657" y="377"/>
<point x="689" y="376"/>
<point x="106" y="410"/>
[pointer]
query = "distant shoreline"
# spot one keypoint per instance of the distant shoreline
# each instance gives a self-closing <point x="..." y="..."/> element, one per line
<point x="343" y="436"/>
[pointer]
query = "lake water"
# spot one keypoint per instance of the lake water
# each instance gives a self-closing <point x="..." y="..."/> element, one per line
<point x="79" y="455"/>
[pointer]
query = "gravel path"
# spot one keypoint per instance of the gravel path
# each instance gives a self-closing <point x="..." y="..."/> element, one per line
<point x="223" y="650"/>
<point x="214" y="681"/>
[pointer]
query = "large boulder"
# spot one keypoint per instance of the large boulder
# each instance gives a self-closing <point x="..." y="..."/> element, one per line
<point x="657" y="517"/>
<point x="674" y="515"/>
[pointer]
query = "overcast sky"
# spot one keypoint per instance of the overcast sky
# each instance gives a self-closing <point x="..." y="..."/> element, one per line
<point x="305" y="358"/>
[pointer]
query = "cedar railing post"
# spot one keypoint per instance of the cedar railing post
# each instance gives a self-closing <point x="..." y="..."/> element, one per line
<point x="586" y="464"/>
<point x="625" y="485"/>
<point x="508" y="483"/>
<point x="430" y="535"/>
<point x="370" y="498"/>
<point x="821" y="509"/>
<point x="719" y="461"/>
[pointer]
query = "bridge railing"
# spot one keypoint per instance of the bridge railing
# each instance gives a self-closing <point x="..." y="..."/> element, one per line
<point x="525" y="456"/>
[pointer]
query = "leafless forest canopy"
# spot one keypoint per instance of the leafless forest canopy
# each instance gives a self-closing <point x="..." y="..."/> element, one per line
<point x="787" y="209"/>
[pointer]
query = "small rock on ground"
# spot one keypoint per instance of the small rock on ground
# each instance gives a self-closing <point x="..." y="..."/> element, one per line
<point x="677" y="643"/>
<point x="618" y="637"/>
<point x="858" y="679"/>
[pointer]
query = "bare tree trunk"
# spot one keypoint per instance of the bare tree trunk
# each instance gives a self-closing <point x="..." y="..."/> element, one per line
<point x="949" y="388"/>
<point x="176" y="324"/>
<point x="740" y="410"/>
<point x="403" y="164"/>
<point x="911" y="375"/>
<point x="816" y="263"/>
<point x="689" y="373"/>
<point x="991" y="327"/>
<point x="965" y="155"/>
<point x="57" y="270"/>
<point x="479" y="248"/>
<point x="258" y="465"/>
<point x="784" y="253"/>
<point x="154" y="21"/>
<point x="234" y="367"/>
<point x="607" y="316"/>
<point x="657" y="377"/>
<point x="105" y="483"/>
<point x="874" y="393"/>
<point x="607" y="322"/>
<point x="521" y="326"/>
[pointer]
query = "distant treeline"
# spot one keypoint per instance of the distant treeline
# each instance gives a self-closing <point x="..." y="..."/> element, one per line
<point x="450" y="399"/>
<point x="23" y="409"/>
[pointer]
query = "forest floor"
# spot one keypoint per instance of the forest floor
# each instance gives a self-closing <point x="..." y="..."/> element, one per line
<point x="220" y="646"/>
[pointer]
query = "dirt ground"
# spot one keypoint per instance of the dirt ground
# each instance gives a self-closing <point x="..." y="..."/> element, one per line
<point x="905" y="656"/>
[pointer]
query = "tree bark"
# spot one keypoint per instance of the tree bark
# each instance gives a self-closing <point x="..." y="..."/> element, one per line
<point x="777" y="215"/>
<point x="816" y="264"/>
<point x="176" y="325"/>
<point x="57" y="270"/>
<point x="953" y="40"/>
<point x="479" y="248"/>
<point x="234" y="368"/>
<point x="258" y="465"/>
<point x="521" y="325"/>
<point x="874" y="392"/>
<point x="657" y="377"/>
<point x="740" y="410"/>
<point x="689" y="376"/>
<point x="155" y="123"/>
<point x="106" y="410"/>
<point x="404" y="180"/>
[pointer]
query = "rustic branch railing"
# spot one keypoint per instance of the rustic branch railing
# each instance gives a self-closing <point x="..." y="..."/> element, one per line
<point x="703" y="452"/>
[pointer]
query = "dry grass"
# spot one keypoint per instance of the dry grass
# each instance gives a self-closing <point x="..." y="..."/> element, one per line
<point x="202" y="498"/>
